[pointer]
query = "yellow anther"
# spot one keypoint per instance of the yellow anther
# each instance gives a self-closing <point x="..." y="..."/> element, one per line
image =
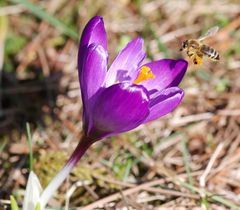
<point x="144" y="74"/>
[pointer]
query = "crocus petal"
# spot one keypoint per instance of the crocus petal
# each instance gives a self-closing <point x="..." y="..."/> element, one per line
<point x="168" y="73"/>
<point x="127" y="62"/>
<point x="94" y="70"/>
<point x="92" y="76"/>
<point x="119" y="108"/>
<point x="32" y="193"/>
<point x="93" y="33"/>
<point x="164" y="102"/>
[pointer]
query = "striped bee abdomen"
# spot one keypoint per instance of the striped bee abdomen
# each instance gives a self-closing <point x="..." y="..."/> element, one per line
<point x="210" y="52"/>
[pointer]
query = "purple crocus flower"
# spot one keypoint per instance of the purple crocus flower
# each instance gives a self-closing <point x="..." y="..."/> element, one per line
<point x="120" y="98"/>
<point x="129" y="93"/>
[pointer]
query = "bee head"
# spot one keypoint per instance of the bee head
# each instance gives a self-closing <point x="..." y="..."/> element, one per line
<point x="184" y="45"/>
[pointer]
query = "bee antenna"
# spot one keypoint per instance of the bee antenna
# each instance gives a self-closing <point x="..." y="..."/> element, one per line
<point x="179" y="42"/>
<point x="178" y="39"/>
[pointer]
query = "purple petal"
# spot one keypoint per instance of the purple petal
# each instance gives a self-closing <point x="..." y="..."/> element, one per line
<point x="168" y="73"/>
<point x="92" y="76"/>
<point x="127" y="62"/>
<point x="93" y="33"/>
<point x="119" y="108"/>
<point x="94" y="69"/>
<point x="164" y="102"/>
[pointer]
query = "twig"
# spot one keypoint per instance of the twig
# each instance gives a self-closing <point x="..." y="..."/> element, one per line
<point x="11" y="10"/>
<point x="191" y="118"/>
<point x="229" y="112"/>
<point x="72" y="190"/>
<point x="145" y="186"/>
<point x="202" y="180"/>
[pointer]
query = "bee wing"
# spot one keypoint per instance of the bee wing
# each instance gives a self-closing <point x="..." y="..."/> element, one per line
<point x="212" y="31"/>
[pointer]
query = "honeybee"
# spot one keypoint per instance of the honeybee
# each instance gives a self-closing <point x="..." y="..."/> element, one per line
<point x="196" y="49"/>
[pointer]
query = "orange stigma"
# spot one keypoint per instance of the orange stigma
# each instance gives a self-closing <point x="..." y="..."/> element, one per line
<point x="144" y="74"/>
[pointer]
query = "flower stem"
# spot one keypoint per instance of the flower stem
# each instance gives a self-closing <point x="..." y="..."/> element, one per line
<point x="80" y="150"/>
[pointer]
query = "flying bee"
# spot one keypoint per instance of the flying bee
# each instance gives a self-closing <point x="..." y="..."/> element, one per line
<point x="196" y="49"/>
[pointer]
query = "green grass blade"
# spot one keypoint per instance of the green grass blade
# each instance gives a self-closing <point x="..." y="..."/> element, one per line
<point x="14" y="205"/>
<point x="3" y="28"/>
<point x="205" y="204"/>
<point x="38" y="206"/>
<point x="186" y="160"/>
<point x="29" y="139"/>
<point x="42" y="14"/>
<point x="3" y="144"/>
<point x="211" y="196"/>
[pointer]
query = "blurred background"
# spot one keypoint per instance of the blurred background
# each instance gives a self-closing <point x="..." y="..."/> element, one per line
<point x="39" y="84"/>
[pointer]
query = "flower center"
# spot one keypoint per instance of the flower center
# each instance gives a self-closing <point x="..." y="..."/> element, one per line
<point x="144" y="74"/>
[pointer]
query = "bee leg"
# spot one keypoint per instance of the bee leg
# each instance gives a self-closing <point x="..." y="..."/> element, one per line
<point x="190" y="54"/>
<point x="195" y="61"/>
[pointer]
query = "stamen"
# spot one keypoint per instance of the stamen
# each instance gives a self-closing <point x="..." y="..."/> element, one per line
<point x="144" y="74"/>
